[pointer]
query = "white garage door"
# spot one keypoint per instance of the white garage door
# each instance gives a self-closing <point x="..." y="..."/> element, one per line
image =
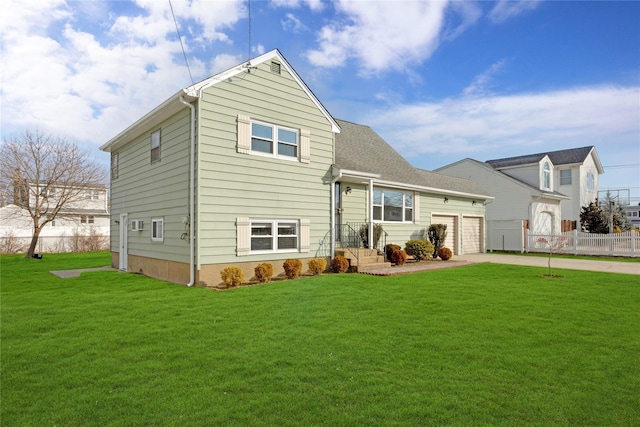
<point x="471" y="236"/>
<point x="452" y="232"/>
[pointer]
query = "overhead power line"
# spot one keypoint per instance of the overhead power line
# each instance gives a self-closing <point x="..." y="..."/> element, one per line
<point x="181" y="45"/>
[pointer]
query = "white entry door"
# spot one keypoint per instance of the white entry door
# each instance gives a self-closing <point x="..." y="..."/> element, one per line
<point x="122" y="250"/>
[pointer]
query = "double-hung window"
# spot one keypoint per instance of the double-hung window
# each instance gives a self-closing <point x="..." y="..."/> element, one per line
<point x="391" y="205"/>
<point x="114" y="165"/>
<point x="274" y="235"/>
<point x="157" y="230"/>
<point x="155" y="146"/>
<point x="274" y="140"/>
<point x="565" y="177"/>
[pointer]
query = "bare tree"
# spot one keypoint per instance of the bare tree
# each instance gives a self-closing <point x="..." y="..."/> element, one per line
<point x="48" y="175"/>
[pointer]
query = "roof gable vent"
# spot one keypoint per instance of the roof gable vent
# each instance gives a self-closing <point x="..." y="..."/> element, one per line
<point x="275" y="67"/>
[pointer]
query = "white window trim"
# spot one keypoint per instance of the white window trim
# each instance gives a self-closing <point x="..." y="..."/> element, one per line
<point x="570" y="177"/>
<point x="274" y="237"/>
<point x="275" y="141"/>
<point x="154" y="228"/>
<point x="414" y="198"/>
<point x="243" y="235"/>
<point x="159" y="147"/>
<point x="244" y="143"/>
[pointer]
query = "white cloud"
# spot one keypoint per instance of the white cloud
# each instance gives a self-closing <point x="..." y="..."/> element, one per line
<point x="63" y="80"/>
<point x="293" y="23"/>
<point x="480" y="84"/>
<point x="380" y="35"/>
<point x="314" y="5"/>
<point x="507" y="9"/>
<point x="526" y="123"/>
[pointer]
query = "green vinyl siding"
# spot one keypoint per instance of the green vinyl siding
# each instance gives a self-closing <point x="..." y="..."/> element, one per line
<point x="232" y="184"/>
<point x="146" y="190"/>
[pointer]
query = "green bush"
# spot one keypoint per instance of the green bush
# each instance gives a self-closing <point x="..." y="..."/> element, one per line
<point x="317" y="265"/>
<point x="445" y="253"/>
<point x="232" y="276"/>
<point x="399" y="257"/>
<point x="264" y="272"/>
<point x="419" y="249"/>
<point x="339" y="264"/>
<point x="292" y="268"/>
<point x="389" y="249"/>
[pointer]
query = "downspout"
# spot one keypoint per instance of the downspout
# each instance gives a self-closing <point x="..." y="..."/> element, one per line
<point x="333" y="214"/>
<point x="192" y="179"/>
<point x="371" y="214"/>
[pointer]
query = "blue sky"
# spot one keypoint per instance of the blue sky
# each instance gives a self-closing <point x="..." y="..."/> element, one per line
<point x="440" y="81"/>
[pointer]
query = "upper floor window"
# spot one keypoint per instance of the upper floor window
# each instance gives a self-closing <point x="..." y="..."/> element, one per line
<point x="591" y="184"/>
<point x="114" y="165"/>
<point x="87" y="219"/>
<point x="155" y="146"/>
<point x="275" y="140"/>
<point x="546" y="175"/>
<point x="389" y="205"/>
<point x="565" y="177"/>
<point x="92" y="195"/>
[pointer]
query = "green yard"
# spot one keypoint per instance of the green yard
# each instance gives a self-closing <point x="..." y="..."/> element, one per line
<point x="478" y="345"/>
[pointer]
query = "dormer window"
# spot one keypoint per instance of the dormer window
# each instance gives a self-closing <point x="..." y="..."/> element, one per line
<point x="546" y="176"/>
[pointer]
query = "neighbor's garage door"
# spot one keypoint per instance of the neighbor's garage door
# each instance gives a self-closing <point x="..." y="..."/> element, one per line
<point x="471" y="235"/>
<point x="452" y="232"/>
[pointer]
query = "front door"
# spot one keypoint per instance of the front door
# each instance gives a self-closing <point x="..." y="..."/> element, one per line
<point x="122" y="244"/>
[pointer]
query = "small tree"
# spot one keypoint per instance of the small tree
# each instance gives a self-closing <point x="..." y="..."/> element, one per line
<point x="593" y="218"/>
<point x="437" y="234"/>
<point x="47" y="174"/>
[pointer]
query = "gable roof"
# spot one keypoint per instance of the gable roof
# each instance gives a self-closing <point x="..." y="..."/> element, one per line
<point x="558" y="158"/>
<point x="362" y="151"/>
<point x="501" y="175"/>
<point x="191" y="93"/>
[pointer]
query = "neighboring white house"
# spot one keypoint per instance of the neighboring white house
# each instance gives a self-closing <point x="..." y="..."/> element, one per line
<point x="83" y="224"/>
<point x="545" y="189"/>
<point x="633" y="214"/>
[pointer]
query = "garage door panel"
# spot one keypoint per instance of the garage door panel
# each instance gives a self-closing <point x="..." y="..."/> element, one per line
<point x="471" y="235"/>
<point x="450" y="222"/>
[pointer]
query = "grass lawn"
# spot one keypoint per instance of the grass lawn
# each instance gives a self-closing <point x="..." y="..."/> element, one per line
<point x="478" y="345"/>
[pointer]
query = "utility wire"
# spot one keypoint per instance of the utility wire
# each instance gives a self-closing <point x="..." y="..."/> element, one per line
<point x="181" y="45"/>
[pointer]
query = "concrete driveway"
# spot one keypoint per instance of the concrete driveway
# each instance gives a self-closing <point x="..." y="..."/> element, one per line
<point x="566" y="263"/>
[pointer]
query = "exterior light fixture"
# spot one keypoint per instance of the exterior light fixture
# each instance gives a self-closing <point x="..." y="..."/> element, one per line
<point x="446" y="200"/>
<point x="348" y="190"/>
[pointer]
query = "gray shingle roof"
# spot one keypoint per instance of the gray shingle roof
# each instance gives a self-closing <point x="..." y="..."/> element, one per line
<point x="359" y="148"/>
<point x="560" y="157"/>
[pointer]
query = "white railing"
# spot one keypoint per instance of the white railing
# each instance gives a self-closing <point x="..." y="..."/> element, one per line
<point x="577" y="243"/>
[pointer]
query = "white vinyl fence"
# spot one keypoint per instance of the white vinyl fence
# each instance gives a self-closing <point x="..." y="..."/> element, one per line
<point x="578" y="243"/>
<point x="505" y="236"/>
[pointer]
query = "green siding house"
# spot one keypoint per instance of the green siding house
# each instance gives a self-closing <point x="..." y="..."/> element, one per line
<point x="249" y="167"/>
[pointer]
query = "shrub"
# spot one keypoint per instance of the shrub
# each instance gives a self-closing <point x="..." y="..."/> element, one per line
<point x="437" y="235"/>
<point x="292" y="268"/>
<point x="389" y="249"/>
<point x="399" y="257"/>
<point x="317" y="265"/>
<point x="339" y="264"/>
<point x="419" y="249"/>
<point x="444" y="253"/>
<point x="264" y="272"/>
<point x="364" y="234"/>
<point x="232" y="276"/>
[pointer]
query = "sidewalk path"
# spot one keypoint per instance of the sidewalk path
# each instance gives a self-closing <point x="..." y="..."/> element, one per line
<point x="66" y="274"/>
<point x="566" y="263"/>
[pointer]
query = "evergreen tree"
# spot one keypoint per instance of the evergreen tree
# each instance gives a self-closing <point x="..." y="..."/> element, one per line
<point x="593" y="218"/>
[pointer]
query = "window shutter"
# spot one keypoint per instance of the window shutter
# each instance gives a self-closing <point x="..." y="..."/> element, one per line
<point x="243" y="236"/>
<point x="416" y="207"/>
<point x="244" y="134"/>
<point x="305" y="146"/>
<point x="304" y="234"/>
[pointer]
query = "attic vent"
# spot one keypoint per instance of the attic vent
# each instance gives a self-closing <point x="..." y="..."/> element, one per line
<point x="275" y="67"/>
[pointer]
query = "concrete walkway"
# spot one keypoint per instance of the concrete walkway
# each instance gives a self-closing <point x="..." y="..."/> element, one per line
<point x="565" y="263"/>
<point x="66" y="274"/>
